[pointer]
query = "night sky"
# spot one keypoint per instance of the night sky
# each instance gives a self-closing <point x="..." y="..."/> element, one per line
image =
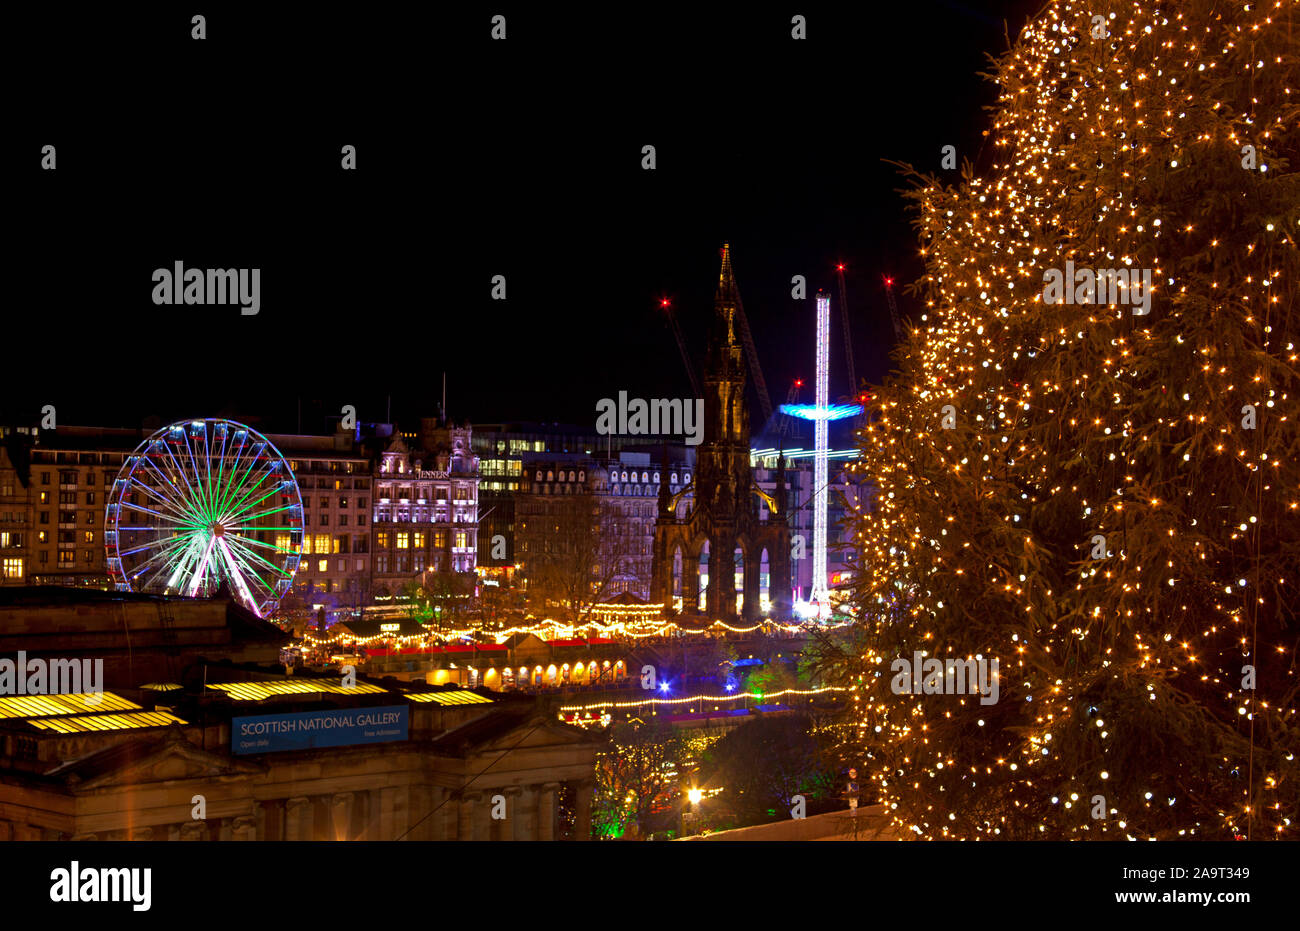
<point x="475" y="158"/>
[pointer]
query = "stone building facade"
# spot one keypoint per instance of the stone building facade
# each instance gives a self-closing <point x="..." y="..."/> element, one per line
<point x="426" y="508"/>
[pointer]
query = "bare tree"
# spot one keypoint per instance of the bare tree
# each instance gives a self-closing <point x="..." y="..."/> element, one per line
<point x="574" y="550"/>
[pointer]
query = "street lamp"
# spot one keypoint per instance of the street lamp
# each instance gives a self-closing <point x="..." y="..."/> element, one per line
<point x="693" y="796"/>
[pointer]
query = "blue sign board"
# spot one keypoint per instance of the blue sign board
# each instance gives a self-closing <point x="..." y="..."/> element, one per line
<point x="308" y="730"/>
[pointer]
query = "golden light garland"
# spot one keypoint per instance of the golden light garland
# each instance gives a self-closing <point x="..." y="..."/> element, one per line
<point x="1013" y="424"/>
<point x="702" y="698"/>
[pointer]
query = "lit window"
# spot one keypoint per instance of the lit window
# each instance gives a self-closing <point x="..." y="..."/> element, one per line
<point x="322" y="565"/>
<point x="381" y="539"/>
<point x="322" y="544"/>
<point x="403" y="541"/>
<point x="418" y="543"/>
<point x="12" y="567"/>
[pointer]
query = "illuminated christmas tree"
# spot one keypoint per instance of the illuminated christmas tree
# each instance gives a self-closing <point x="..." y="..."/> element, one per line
<point x="1094" y="477"/>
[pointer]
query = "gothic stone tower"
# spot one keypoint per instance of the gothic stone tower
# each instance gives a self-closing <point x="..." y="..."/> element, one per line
<point x="725" y="511"/>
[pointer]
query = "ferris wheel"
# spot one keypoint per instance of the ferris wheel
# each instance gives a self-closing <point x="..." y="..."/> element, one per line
<point x="204" y="503"/>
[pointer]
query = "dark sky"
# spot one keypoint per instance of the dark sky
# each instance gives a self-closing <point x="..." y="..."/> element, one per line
<point x="475" y="158"/>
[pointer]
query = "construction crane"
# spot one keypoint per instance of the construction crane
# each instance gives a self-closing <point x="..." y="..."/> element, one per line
<point x="848" y="334"/>
<point x="764" y="399"/>
<point x="681" y="345"/>
<point x="893" y="307"/>
<point x="791" y="397"/>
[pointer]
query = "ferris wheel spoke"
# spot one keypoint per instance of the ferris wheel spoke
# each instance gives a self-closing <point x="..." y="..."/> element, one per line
<point x="251" y="541"/>
<point x="253" y="504"/>
<point x="251" y="464"/>
<point x="247" y="490"/>
<point x="248" y="483"/>
<point x="235" y="482"/>
<point x="181" y="501"/>
<point x="194" y="464"/>
<point x="194" y="556"/>
<point x="154" y="569"/>
<point x="207" y="467"/>
<point x="197" y="578"/>
<point x="248" y="520"/>
<point x="185" y="522"/>
<point x="237" y="577"/>
<point x="221" y="471"/>
<point x="241" y="544"/>
<point x="178" y="511"/>
<point x="190" y="496"/>
<point x="164" y="561"/>
<point x="165" y="542"/>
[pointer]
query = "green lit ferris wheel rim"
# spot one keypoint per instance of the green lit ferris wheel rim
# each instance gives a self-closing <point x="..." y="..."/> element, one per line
<point x="202" y="503"/>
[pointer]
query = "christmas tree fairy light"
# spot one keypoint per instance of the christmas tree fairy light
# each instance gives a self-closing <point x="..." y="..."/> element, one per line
<point x="1103" y="499"/>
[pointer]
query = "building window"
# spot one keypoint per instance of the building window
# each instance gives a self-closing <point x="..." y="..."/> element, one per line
<point x="45" y="478"/>
<point x="439" y="539"/>
<point x="403" y="541"/>
<point x="41" y="536"/>
<point x="343" y="520"/>
<point x="45" y="497"/>
<point x="12" y="567"/>
<point x="381" y="539"/>
<point x="419" y="540"/>
<point x="322" y="565"/>
<point x="324" y="520"/>
<point x="381" y="563"/>
<point x="88" y="537"/>
<point x="460" y="538"/>
<point x="361" y="503"/>
<point x="343" y="502"/>
<point x="361" y="565"/>
<point x="322" y="545"/>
